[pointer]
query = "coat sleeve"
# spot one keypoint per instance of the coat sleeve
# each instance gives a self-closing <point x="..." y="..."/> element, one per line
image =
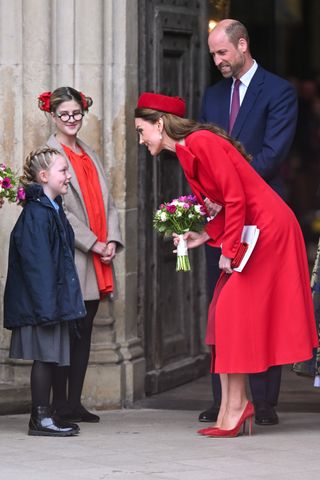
<point x="34" y="243"/>
<point x="84" y="236"/>
<point x="279" y="131"/>
<point x="215" y="160"/>
<point x="114" y="232"/>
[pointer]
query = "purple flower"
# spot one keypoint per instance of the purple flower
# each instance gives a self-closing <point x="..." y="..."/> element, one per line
<point x="21" y="194"/>
<point x="192" y="199"/>
<point x="171" y="208"/>
<point x="6" y="183"/>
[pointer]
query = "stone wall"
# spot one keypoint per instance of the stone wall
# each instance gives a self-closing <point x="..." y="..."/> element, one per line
<point x="91" y="45"/>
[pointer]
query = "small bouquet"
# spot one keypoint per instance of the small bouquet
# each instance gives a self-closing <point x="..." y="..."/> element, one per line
<point x="9" y="185"/>
<point x="179" y="216"/>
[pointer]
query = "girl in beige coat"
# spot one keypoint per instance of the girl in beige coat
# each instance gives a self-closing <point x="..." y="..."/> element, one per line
<point x="94" y="219"/>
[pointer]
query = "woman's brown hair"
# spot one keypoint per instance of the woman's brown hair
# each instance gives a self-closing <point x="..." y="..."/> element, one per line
<point x="178" y="128"/>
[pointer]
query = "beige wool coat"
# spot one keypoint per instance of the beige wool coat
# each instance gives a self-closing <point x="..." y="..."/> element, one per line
<point x="76" y="213"/>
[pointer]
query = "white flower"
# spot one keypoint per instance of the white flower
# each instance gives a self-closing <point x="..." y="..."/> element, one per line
<point x="174" y="202"/>
<point x="191" y="215"/>
<point x="197" y="208"/>
<point x="178" y="213"/>
<point x="163" y="216"/>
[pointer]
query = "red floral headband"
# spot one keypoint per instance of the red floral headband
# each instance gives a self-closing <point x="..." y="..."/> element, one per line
<point x="44" y="101"/>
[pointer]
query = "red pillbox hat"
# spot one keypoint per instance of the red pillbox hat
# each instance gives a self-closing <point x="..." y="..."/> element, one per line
<point x="163" y="103"/>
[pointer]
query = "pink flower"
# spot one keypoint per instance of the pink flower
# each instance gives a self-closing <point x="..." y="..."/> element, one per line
<point x="171" y="208"/>
<point x="3" y="167"/>
<point x="21" y="194"/>
<point x="203" y="210"/>
<point x="6" y="183"/>
<point x="186" y="206"/>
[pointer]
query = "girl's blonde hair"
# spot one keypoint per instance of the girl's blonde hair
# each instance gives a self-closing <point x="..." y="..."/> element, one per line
<point x="36" y="161"/>
<point x="178" y="128"/>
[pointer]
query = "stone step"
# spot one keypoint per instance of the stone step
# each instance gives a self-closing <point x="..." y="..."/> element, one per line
<point x="14" y="399"/>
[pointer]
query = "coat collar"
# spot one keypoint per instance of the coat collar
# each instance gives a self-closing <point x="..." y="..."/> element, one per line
<point x="34" y="192"/>
<point x="187" y="159"/>
<point x="53" y="142"/>
<point x="189" y="164"/>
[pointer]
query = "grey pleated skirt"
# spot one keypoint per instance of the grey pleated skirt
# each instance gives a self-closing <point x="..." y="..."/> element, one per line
<point x="49" y="343"/>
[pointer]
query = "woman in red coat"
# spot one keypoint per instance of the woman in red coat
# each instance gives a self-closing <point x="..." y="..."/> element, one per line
<point x="262" y="316"/>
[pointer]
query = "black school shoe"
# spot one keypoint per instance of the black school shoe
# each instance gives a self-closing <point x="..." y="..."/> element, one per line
<point x="265" y="414"/>
<point x="78" y="414"/>
<point x="43" y="423"/>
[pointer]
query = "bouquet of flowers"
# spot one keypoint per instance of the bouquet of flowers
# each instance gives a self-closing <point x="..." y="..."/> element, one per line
<point x="179" y="216"/>
<point x="9" y="185"/>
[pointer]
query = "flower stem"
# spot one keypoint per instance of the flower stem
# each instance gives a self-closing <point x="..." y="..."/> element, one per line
<point x="183" y="263"/>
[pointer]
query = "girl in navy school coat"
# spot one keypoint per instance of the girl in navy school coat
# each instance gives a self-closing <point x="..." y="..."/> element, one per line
<point x="42" y="294"/>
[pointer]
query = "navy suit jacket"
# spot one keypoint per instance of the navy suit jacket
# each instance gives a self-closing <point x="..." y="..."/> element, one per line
<point x="265" y="124"/>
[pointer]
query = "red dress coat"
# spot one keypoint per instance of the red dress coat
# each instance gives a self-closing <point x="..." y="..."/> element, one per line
<point x="264" y="315"/>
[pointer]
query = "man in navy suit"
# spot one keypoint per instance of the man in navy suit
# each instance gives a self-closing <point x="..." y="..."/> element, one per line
<point x="265" y="124"/>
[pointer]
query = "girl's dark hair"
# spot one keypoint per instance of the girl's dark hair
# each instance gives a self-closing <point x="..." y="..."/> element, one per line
<point x="65" y="94"/>
<point x="178" y="128"/>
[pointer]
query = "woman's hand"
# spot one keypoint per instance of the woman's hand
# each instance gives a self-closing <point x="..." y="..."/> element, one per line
<point x="100" y="248"/>
<point x="194" y="239"/>
<point x="110" y="253"/>
<point x="225" y="264"/>
<point x="212" y="208"/>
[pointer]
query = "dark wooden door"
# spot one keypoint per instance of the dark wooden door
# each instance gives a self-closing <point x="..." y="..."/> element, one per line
<point x="172" y="305"/>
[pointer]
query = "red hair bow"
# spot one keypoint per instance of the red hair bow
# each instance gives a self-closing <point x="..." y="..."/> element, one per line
<point x="44" y="101"/>
<point x="84" y="101"/>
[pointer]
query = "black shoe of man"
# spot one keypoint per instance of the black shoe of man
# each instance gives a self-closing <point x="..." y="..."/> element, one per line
<point x="265" y="414"/>
<point x="209" y="415"/>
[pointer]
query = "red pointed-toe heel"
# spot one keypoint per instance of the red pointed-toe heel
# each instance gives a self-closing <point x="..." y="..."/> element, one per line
<point x="247" y="414"/>
<point x="204" y="431"/>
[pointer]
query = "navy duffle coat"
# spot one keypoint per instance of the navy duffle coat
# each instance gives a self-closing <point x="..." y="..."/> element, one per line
<point x="42" y="286"/>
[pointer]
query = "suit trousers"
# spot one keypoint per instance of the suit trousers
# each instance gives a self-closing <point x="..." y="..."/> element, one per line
<point x="264" y="386"/>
